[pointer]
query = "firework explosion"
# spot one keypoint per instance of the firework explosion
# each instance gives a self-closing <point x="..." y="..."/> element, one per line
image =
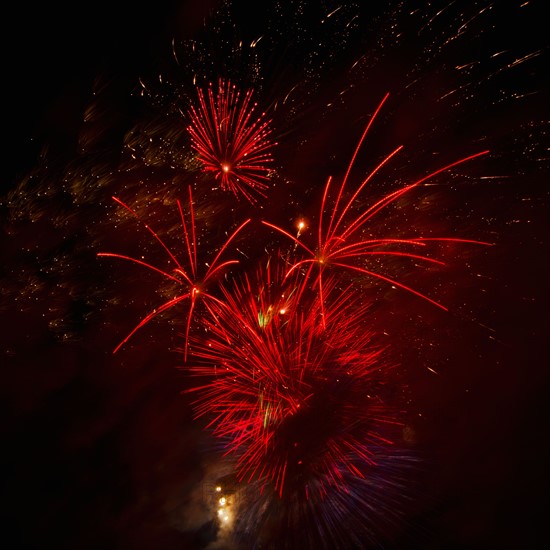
<point x="230" y="143"/>
<point x="290" y="378"/>
<point x="312" y="253"/>
<point x="297" y="402"/>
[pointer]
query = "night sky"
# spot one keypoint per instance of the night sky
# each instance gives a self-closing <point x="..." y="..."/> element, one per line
<point x="100" y="450"/>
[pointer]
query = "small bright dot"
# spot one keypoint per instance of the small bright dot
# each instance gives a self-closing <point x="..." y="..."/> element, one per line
<point x="282" y="311"/>
<point x="218" y="489"/>
<point x="223" y="500"/>
<point x="226" y="168"/>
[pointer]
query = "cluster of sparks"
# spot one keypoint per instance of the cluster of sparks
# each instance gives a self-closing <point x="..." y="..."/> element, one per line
<point x="289" y="372"/>
<point x="223" y="505"/>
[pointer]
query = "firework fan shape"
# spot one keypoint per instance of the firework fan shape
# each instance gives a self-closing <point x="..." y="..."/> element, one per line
<point x="232" y="142"/>
<point x="298" y="402"/>
<point x="341" y="243"/>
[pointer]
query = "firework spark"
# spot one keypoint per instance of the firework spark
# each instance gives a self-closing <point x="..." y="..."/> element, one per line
<point x="341" y="244"/>
<point x="191" y="279"/>
<point x="231" y="141"/>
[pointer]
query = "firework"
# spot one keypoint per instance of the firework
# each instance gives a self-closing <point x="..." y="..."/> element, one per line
<point x="296" y="401"/>
<point x="341" y="244"/>
<point x="231" y="141"/>
<point x="191" y="279"/>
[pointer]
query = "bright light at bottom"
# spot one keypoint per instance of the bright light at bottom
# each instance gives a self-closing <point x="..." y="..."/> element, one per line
<point x="223" y="514"/>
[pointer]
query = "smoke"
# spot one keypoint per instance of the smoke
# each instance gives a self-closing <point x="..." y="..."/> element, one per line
<point x="201" y="512"/>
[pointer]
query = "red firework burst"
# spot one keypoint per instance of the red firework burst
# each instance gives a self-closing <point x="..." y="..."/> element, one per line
<point x="231" y="141"/>
<point x="298" y="402"/>
<point x="191" y="279"/>
<point x="341" y="245"/>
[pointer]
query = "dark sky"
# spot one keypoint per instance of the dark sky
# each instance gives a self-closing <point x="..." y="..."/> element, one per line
<point x="51" y="57"/>
<point x="101" y="451"/>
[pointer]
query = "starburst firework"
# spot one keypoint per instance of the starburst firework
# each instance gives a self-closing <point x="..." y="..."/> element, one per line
<point x="232" y="142"/>
<point x="194" y="283"/>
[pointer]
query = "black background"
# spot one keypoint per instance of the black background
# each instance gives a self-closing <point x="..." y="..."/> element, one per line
<point x="84" y="463"/>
